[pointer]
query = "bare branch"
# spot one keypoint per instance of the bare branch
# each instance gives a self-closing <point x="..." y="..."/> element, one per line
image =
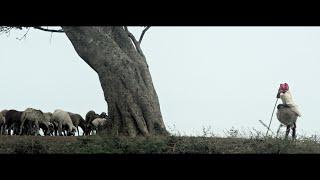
<point x="142" y="34"/>
<point x="24" y="36"/>
<point x="135" y="42"/>
<point x="48" y="30"/>
<point x="7" y="29"/>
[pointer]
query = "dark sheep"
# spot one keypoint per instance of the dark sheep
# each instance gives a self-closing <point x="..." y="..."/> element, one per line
<point x="13" y="121"/>
<point x="77" y="121"/>
<point x="90" y="116"/>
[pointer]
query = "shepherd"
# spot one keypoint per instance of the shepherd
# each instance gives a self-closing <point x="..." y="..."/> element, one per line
<point x="288" y="111"/>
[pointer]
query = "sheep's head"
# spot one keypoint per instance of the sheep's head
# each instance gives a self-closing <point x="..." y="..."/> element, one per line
<point x="50" y="128"/>
<point x="103" y="115"/>
<point x="73" y="131"/>
<point x="88" y="129"/>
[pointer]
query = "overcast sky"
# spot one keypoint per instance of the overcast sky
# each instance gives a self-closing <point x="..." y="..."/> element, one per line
<point x="218" y="77"/>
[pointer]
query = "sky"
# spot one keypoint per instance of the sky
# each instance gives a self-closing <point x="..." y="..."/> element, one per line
<point x="216" y="78"/>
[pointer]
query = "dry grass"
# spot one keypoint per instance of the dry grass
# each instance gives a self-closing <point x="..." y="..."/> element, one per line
<point x="175" y="144"/>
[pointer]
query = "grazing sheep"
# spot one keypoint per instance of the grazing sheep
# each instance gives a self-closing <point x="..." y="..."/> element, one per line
<point x="103" y="115"/>
<point x="77" y="121"/>
<point x="3" y="121"/>
<point x="62" y="118"/>
<point x="46" y="124"/>
<point x="32" y="118"/>
<point x="287" y="117"/>
<point x="98" y="124"/>
<point x="2" y="124"/>
<point x="90" y="116"/>
<point x="4" y="112"/>
<point x="55" y="125"/>
<point x="13" y="121"/>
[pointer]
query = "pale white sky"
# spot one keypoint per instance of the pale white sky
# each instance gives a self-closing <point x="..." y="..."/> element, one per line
<point x="221" y="77"/>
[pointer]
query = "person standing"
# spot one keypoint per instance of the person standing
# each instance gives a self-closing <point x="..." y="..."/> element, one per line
<point x="287" y="100"/>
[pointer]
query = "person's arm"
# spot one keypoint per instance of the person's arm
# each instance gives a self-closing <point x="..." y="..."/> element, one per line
<point x="278" y="95"/>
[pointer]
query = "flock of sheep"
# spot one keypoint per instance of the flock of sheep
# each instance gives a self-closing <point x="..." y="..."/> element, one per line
<point x="60" y="122"/>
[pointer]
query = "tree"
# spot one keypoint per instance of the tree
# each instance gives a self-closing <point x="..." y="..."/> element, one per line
<point x="116" y="56"/>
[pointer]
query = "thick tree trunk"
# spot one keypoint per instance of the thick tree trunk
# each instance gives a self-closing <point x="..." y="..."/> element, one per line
<point x="133" y="105"/>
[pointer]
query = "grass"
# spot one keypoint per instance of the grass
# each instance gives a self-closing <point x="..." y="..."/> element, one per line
<point x="208" y="143"/>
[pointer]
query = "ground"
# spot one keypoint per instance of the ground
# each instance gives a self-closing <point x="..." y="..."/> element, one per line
<point x="159" y="144"/>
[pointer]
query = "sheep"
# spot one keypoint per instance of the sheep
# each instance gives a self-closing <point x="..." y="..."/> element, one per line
<point x="287" y="117"/>
<point x="2" y="123"/>
<point x="77" y="121"/>
<point x="13" y="121"/>
<point x="103" y="115"/>
<point x="46" y="124"/>
<point x="32" y="118"/>
<point x="4" y="112"/>
<point x="98" y="124"/>
<point x="62" y="119"/>
<point x="54" y="124"/>
<point x="90" y="116"/>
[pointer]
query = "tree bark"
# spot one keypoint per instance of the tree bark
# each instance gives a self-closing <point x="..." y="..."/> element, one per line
<point x="133" y="104"/>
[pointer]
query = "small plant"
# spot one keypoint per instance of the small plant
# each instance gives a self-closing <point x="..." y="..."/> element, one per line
<point x="232" y="133"/>
<point x="207" y="132"/>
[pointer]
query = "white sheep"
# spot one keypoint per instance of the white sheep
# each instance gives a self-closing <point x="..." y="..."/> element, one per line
<point x="98" y="123"/>
<point x="62" y="118"/>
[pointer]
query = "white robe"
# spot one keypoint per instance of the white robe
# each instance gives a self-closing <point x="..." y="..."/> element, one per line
<point x="287" y="99"/>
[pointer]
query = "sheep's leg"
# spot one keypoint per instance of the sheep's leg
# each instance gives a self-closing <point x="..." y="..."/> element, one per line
<point x="60" y="129"/>
<point x="294" y="131"/>
<point x="287" y="131"/>
<point x="5" y="129"/>
<point x="31" y="129"/>
<point x="37" y="129"/>
<point x="21" y="126"/>
<point x="1" y="130"/>
<point x="9" y="130"/>
<point x="78" y="130"/>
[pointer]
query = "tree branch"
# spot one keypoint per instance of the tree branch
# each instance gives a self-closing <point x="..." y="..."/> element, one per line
<point x="7" y="29"/>
<point x="135" y="42"/>
<point x="142" y="34"/>
<point x="48" y="30"/>
<point x="24" y="36"/>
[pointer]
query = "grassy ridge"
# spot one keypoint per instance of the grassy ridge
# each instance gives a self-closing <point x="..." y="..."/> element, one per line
<point x="168" y="145"/>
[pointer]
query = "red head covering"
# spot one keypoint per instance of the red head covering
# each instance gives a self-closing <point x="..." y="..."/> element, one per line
<point x="284" y="87"/>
